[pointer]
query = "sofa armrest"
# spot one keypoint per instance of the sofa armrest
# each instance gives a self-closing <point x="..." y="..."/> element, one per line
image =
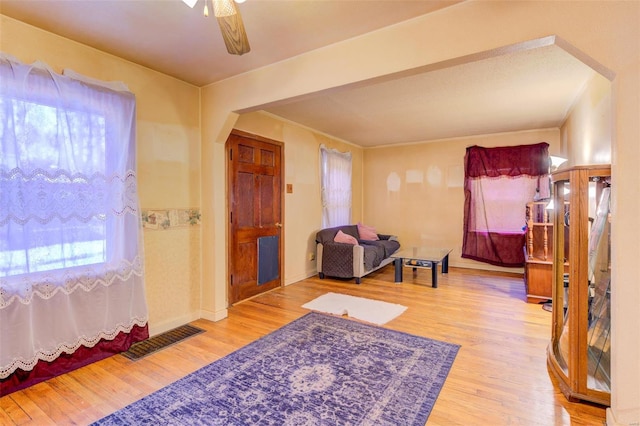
<point x="319" y="249"/>
<point x="358" y="261"/>
<point x="388" y="237"/>
<point x="340" y="259"/>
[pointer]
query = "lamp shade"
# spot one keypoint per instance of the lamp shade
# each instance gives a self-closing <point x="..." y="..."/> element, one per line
<point x="190" y="3"/>
<point x="556" y="161"/>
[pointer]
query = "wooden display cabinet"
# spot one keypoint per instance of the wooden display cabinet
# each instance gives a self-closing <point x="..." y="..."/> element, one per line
<point x="579" y="352"/>
<point x="538" y="252"/>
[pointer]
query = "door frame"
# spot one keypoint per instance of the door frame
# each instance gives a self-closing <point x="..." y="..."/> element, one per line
<point x="230" y="236"/>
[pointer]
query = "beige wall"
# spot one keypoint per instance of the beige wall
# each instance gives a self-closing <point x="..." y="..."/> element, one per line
<point x="587" y="132"/>
<point x="168" y="138"/>
<point x="303" y="209"/>
<point x="605" y="31"/>
<point x="426" y="207"/>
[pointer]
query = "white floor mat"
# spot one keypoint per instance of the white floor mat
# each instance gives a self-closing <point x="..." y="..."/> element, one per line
<point x="369" y="310"/>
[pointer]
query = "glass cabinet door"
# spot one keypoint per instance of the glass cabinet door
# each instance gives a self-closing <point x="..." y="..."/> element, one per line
<point x="599" y="302"/>
<point x="579" y="352"/>
<point x="562" y="214"/>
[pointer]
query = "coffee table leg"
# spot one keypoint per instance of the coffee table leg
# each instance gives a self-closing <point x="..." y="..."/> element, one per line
<point x="445" y="264"/>
<point x="434" y="274"/>
<point x="398" y="265"/>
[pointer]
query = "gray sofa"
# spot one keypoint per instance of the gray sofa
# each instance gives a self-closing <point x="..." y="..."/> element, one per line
<point x="343" y="260"/>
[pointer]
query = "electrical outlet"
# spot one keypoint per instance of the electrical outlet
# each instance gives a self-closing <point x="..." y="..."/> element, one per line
<point x="312" y="256"/>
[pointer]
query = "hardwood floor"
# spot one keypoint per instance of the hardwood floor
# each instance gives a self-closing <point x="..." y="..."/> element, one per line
<point x="499" y="376"/>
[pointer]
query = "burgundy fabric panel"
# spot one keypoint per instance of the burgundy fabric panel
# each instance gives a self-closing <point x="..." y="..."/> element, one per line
<point x="480" y="163"/>
<point x="532" y="160"/>
<point x="494" y="248"/>
<point x="44" y="370"/>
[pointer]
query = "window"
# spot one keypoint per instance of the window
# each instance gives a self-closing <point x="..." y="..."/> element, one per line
<point x="67" y="181"/>
<point x="71" y="267"/>
<point x="36" y="183"/>
<point x="335" y="175"/>
<point x="498" y="184"/>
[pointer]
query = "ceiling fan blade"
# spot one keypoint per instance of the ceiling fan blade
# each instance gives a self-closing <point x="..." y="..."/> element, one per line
<point x="233" y="32"/>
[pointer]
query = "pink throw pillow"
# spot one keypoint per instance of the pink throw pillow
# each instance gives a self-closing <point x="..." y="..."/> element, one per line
<point x="367" y="232"/>
<point x="341" y="237"/>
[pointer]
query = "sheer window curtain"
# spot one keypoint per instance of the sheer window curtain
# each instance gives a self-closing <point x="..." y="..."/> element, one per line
<point x="335" y="176"/>
<point x="498" y="184"/>
<point x="71" y="261"/>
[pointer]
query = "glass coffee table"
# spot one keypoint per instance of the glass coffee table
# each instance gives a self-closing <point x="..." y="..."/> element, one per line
<point x="422" y="257"/>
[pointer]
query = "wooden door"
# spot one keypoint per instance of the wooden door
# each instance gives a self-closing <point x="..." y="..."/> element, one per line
<point x="255" y="215"/>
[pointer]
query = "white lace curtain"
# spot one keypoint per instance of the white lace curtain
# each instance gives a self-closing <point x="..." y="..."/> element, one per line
<point x="71" y="264"/>
<point x="335" y="175"/>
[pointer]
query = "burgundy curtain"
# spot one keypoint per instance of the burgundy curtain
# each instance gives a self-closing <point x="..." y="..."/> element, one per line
<point x="45" y="370"/>
<point x="498" y="184"/>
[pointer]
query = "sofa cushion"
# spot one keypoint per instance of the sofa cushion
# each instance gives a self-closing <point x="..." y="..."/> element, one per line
<point x="373" y="254"/>
<point x="386" y="247"/>
<point x="372" y="257"/>
<point x="341" y="237"/>
<point x="328" y="234"/>
<point x="367" y="232"/>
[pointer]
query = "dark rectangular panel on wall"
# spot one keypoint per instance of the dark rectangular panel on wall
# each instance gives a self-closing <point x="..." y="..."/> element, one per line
<point x="267" y="259"/>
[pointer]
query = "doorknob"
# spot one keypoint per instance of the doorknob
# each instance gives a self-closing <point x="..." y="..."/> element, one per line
<point x="278" y="224"/>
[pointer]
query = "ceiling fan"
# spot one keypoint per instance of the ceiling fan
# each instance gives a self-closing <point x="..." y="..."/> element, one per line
<point x="230" y="23"/>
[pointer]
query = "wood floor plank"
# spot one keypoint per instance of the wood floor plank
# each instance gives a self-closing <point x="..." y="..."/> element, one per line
<point x="11" y="413"/>
<point x="499" y="376"/>
<point x="32" y="407"/>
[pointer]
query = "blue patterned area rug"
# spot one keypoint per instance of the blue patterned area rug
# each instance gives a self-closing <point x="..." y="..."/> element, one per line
<point x="317" y="370"/>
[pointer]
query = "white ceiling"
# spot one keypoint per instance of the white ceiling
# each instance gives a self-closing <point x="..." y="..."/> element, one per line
<point x="168" y="36"/>
<point x="531" y="89"/>
<point x="517" y="91"/>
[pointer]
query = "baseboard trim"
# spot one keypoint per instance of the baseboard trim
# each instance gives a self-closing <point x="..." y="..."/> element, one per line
<point x="214" y="316"/>
<point x="292" y="280"/>
<point x="613" y="421"/>
<point x="155" y="329"/>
